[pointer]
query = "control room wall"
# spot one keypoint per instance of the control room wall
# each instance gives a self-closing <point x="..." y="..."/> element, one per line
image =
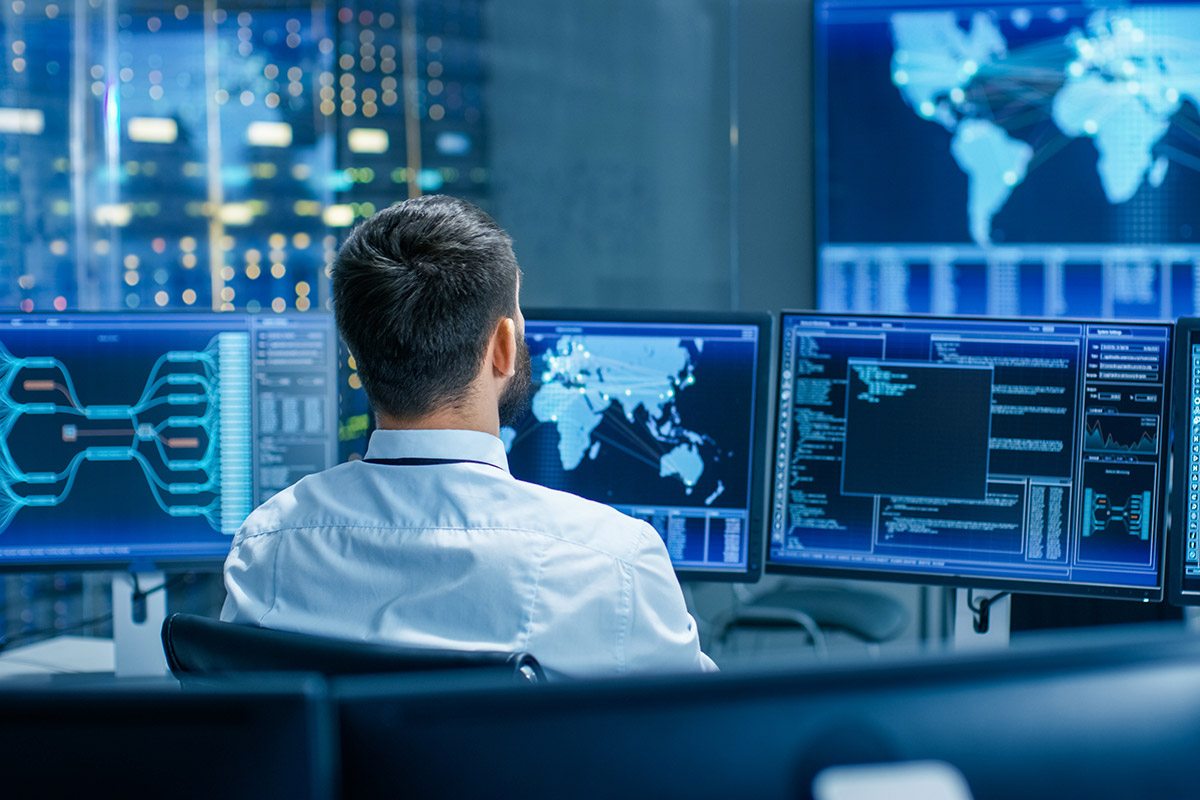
<point x="654" y="154"/>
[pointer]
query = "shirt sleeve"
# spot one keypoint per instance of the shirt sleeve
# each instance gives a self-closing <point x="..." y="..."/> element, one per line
<point x="661" y="634"/>
<point x="248" y="585"/>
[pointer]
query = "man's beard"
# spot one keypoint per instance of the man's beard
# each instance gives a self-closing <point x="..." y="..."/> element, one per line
<point x="514" y="400"/>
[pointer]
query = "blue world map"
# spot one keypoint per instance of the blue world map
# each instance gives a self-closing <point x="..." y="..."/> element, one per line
<point x="586" y="375"/>
<point x="1127" y="74"/>
<point x="656" y="420"/>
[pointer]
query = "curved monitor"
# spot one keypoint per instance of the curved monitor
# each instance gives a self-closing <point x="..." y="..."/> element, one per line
<point x="1019" y="454"/>
<point x="147" y="438"/>
<point x="661" y="415"/>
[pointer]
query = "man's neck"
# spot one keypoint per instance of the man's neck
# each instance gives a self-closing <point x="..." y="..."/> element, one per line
<point x="454" y="419"/>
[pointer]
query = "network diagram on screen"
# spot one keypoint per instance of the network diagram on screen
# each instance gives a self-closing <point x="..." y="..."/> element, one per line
<point x="171" y="432"/>
<point x="1000" y="450"/>
<point x="154" y="435"/>
<point x="656" y="420"/>
<point x="1038" y="158"/>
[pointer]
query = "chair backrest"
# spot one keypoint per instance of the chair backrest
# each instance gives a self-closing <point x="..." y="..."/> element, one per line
<point x="199" y="646"/>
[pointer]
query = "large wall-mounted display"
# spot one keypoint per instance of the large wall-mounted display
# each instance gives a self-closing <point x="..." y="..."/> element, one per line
<point x="1034" y="158"/>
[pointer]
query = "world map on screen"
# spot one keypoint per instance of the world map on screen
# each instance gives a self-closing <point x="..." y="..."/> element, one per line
<point x="584" y="376"/>
<point x="638" y="420"/>
<point x="1118" y="79"/>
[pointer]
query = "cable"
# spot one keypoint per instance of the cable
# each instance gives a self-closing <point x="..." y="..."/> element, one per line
<point x="980" y="620"/>
<point x="139" y="601"/>
<point x="139" y="595"/>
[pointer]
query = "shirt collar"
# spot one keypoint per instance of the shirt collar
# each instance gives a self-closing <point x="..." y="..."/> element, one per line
<point x="451" y="444"/>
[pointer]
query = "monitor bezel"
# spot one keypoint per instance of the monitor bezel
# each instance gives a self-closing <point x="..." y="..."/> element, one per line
<point x="134" y="562"/>
<point x="763" y="388"/>
<point x="1015" y="585"/>
<point x="104" y="725"/>
<point x="1177" y="593"/>
<point x="818" y="150"/>
<point x="784" y="723"/>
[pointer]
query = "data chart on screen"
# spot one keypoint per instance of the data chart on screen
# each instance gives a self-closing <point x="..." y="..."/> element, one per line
<point x="1017" y="453"/>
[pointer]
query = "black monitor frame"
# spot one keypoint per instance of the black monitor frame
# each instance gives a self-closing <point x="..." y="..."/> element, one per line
<point x="763" y="376"/>
<point x="1102" y="714"/>
<point x="1181" y="590"/>
<point x="150" y="736"/>
<point x="125" y="555"/>
<point x="915" y="574"/>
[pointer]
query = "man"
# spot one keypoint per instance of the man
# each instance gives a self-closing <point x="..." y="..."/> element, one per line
<point x="429" y="541"/>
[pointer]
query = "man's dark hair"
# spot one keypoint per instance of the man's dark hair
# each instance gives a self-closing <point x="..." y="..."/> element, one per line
<point x="418" y="290"/>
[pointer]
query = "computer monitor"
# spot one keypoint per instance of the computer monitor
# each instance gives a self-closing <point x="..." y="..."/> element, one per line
<point x="1107" y="717"/>
<point x="1183" y="557"/>
<point x="145" y="439"/>
<point x="1006" y="157"/>
<point x="661" y="415"/>
<point x="1019" y="454"/>
<point x="253" y="736"/>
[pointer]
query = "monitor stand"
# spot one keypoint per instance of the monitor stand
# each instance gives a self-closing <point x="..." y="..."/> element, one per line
<point x="137" y="626"/>
<point x="996" y="632"/>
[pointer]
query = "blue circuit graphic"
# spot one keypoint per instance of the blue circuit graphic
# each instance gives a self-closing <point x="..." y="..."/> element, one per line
<point x="1100" y="512"/>
<point x="188" y="432"/>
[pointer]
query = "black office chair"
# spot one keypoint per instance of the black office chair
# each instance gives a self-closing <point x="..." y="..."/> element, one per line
<point x="870" y="617"/>
<point x="198" y="646"/>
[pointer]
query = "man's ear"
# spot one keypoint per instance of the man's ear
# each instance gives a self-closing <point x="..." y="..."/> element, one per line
<point x="504" y="348"/>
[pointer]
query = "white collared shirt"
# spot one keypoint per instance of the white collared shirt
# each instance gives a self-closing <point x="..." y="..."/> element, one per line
<point x="462" y="556"/>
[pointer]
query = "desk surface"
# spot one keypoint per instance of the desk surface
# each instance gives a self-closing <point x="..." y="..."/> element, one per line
<point x="63" y="654"/>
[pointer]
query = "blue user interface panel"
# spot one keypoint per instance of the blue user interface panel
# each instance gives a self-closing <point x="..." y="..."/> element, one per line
<point x="1022" y="454"/>
<point x="1025" y="158"/>
<point x="661" y="417"/>
<point x="1183" y="575"/>
<point x="149" y="437"/>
